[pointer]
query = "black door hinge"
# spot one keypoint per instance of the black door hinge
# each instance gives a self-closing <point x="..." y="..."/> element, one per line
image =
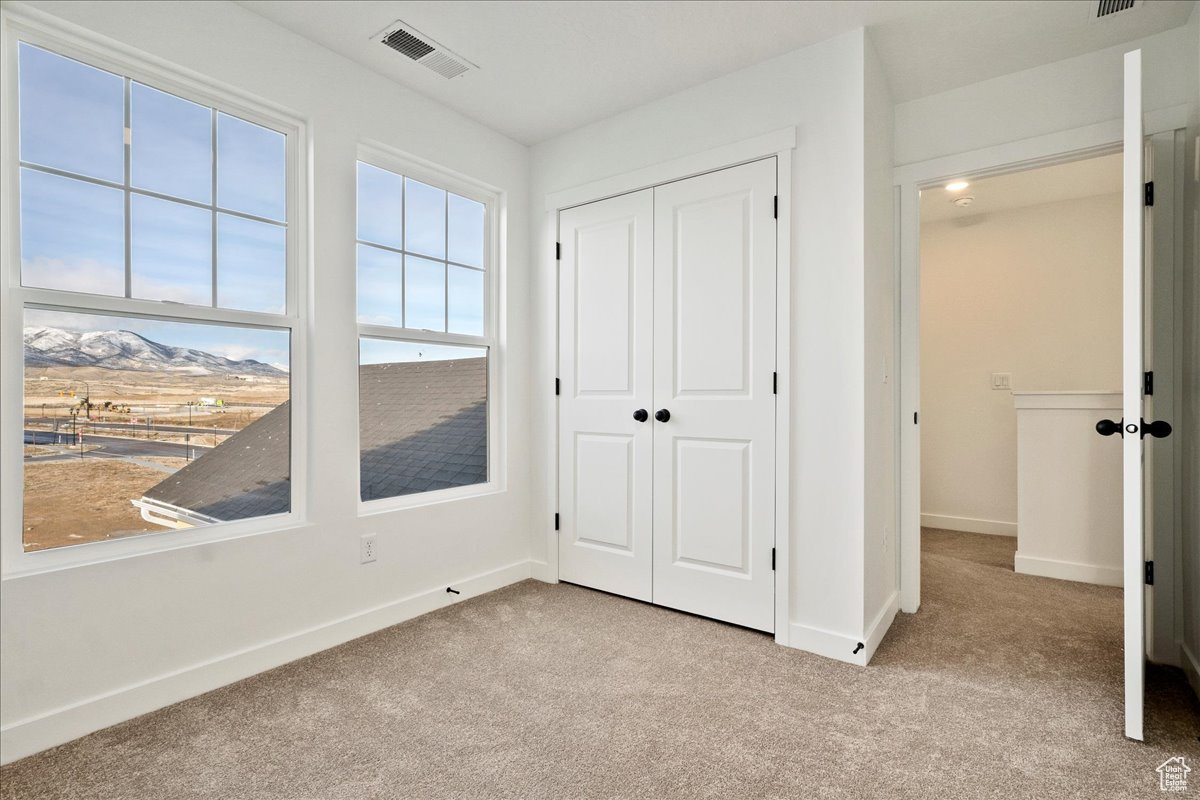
<point x="1149" y="573"/>
<point x="1148" y="383"/>
<point x="1150" y="193"/>
<point x="557" y="386"/>
<point x="556" y="521"/>
<point x="774" y="383"/>
<point x="776" y="211"/>
<point x="916" y="416"/>
<point x="772" y="559"/>
<point x="557" y="251"/>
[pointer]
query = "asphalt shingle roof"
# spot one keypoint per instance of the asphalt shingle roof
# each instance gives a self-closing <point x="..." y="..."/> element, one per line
<point x="422" y="426"/>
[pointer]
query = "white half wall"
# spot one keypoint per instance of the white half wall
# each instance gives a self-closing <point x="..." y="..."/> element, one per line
<point x="1034" y="292"/>
<point x="72" y="638"/>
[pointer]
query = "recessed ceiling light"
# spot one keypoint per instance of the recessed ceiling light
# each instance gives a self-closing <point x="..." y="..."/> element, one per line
<point x="956" y="186"/>
<point x="963" y="202"/>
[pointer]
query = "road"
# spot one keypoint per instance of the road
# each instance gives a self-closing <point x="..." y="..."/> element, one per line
<point x="130" y="426"/>
<point x="114" y="446"/>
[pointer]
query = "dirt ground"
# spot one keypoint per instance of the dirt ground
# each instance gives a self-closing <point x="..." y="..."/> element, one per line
<point x="77" y="501"/>
<point x="164" y="397"/>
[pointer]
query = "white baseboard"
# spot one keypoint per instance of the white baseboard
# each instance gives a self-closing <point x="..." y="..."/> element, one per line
<point x="827" y="643"/>
<point x="34" y="734"/>
<point x="1068" y="570"/>
<point x="881" y="624"/>
<point x="840" y="647"/>
<point x="969" y="524"/>
<point x="1191" y="667"/>
<point x="540" y="571"/>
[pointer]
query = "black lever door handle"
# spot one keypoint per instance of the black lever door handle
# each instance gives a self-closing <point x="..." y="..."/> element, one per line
<point x="1159" y="429"/>
<point x="1106" y="427"/>
<point x="640" y="415"/>
<point x="662" y="415"/>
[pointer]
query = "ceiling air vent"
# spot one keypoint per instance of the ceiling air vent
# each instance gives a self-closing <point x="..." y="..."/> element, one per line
<point x="1106" y="8"/>
<point x="409" y="42"/>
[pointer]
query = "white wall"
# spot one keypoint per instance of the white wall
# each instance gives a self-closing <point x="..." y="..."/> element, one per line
<point x="820" y="90"/>
<point x="881" y="576"/>
<point x="85" y="647"/>
<point x="1035" y="292"/>
<point x="1074" y="93"/>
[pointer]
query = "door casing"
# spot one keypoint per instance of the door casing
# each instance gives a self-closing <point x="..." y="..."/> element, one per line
<point x="780" y="144"/>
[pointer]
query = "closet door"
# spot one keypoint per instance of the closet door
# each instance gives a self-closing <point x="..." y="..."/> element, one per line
<point x="714" y="402"/>
<point x="605" y="367"/>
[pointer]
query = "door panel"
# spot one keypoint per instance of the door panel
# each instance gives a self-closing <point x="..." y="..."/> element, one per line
<point x="1132" y="299"/>
<point x="605" y="368"/>
<point x="712" y="267"/>
<point x="712" y="505"/>
<point x="714" y="458"/>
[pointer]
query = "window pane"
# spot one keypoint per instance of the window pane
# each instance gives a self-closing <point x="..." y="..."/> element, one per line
<point x="424" y="294"/>
<point x="465" y="292"/>
<point x="72" y="235"/>
<point x="424" y="219"/>
<point x="251" y="168"/>
<point x="251" y="265"/>
<point x="466" y="231"/>
<point x="171" y="146"/>
<point x="72" y="115"/>
<point x="380" y="206"/>
<point x="380" y="276"/>
<point x="172" y="251"/>
<point x="182" y="425"/>
<point x="422" y="414"/>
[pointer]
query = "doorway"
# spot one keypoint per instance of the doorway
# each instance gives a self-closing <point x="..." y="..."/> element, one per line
<point x="1020" y="315"/>
<point x="1154" y="630"/>
<point x="667" y="382"/>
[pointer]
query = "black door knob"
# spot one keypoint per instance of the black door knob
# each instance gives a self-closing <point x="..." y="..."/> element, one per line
<point x="662" y="415"/>
<point x="1106" y="427"/>
<point x="640" y="415"/>
<point x="1159" y="429"/>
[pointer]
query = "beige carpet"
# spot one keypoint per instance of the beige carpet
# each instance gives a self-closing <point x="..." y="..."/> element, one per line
<point x="1002" y="686"/>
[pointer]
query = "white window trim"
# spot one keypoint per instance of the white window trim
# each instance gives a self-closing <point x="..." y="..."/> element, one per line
<point x="36" y="28"/>
<point x="493" y="338"/>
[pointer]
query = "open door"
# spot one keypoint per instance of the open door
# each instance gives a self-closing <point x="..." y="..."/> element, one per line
<point x="1132" y="259"/>
<point x="1133" y="426"/>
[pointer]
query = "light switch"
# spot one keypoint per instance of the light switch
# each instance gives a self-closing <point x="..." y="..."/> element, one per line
<point x="1002" y="380"/>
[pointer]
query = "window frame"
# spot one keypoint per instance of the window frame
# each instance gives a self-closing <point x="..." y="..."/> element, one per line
<point x="387" y="158"/>
<point x="128" y="62"/>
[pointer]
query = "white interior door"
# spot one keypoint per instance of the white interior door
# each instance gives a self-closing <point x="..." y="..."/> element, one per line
<point x="605" y="369"/>
<point x="1133" y="254"/>
<point x="714" y="402"/>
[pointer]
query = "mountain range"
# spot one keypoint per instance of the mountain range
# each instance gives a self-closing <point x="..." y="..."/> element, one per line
<point x="125" y="350"/>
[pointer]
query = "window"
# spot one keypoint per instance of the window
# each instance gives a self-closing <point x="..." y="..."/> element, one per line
<point x="184" y="204"/>
<point x="159" y="318"/>
<point x="424" y="335"/>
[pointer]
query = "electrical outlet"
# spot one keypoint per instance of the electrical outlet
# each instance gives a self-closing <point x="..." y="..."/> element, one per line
<point x="366" y="548"/>
<point x="1001" y="380"/>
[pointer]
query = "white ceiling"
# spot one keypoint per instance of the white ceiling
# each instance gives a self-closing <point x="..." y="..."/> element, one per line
<point x="1087" y="178"/>
<point x="547" y="67"/>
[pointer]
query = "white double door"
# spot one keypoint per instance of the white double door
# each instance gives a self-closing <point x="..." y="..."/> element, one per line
<point x="667" y="399"/>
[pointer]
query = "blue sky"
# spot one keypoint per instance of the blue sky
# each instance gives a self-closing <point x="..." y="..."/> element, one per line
<point x="73" y="232"/>
<point x="72" y="118"/>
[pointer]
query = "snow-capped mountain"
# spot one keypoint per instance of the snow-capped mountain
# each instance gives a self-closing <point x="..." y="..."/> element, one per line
<point x="54" y="347"/>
